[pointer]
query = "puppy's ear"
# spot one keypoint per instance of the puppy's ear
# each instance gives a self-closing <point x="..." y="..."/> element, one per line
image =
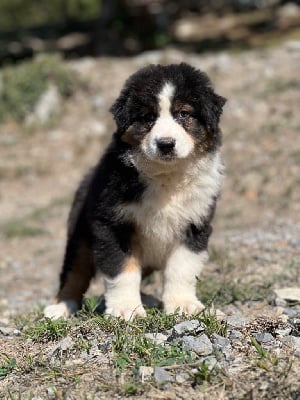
<point x="213" y="110"/>
<point x="120" y="111"/>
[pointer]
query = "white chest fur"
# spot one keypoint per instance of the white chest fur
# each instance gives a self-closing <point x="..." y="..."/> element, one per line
<point x="169" y="203"/>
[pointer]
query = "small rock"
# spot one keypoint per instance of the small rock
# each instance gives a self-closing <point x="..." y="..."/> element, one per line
<point x="97" y="101"/>
<point x="63" y="345"/>
<point x="283" y="332"/>
<point x="4" y="322"/>
<point x="162" y="376"/>
<point x="51" y="393"/>
<point x="181" y="378"/>
<point x="289" y="10"/>
<point x="263" y="337"/>
<point x="292" y="341"/>
<point x="6" y="331"/>
<point x="226" y="351"/>
<point x="47" y="105"/>
<point x="188" y="326"/>
<point x="289" y="293"/>
<point x="145" y="372"/>
<point x="210" y="362"/>
<point x="296" y="323"/>
<point x="16" y="332"/>
<point x="293" y="45"/>
<point x="156" y="338"/>
<point x="235" y="335"/>
<point x="279" y="302"/>
<point x="234" y="320"/>
<point x="200" y="345"/>
<point x="292" y="312"/>
<point x="219" y="342"/>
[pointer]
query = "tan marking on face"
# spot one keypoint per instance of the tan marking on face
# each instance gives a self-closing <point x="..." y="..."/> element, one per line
<point x="181" y="106"/>
<point x="79" y="276"/>
<point x="129" y="137"/>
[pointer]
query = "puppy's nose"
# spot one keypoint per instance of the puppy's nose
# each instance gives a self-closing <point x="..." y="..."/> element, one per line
<point x="165" y="144"/>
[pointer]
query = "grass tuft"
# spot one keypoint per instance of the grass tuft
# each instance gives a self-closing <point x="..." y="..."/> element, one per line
<point x="23" y="85"/>
<point x="7" y="364"/>
<point x="48" y="330"/>
<point x="212" y="324"/>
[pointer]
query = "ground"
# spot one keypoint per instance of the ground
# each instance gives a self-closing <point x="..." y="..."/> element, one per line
<point x="253" y="251"/>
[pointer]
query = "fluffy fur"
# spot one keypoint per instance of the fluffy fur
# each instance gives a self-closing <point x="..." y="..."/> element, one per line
<point x="149" y="202"/>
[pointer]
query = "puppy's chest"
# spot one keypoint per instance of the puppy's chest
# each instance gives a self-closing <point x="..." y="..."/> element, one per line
<point x="164" y="212"/>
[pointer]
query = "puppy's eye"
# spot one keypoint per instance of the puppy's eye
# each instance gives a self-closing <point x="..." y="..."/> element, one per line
<point x="184" y="114"/>
<point x="147" y="118"/>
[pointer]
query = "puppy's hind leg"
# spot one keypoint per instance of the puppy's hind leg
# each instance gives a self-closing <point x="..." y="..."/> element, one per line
<point x="77" y="272"/>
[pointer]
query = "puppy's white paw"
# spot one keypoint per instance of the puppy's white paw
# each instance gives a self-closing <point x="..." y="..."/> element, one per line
<point x="126" y="312"/>
<point x="186" y="306"/>
<point x="62" y="309"/>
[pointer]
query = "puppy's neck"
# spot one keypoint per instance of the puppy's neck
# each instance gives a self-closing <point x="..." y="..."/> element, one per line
<point x="175" y="173"/>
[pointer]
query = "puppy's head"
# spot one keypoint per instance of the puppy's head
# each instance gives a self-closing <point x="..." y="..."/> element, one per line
<point x="167" y="113"/>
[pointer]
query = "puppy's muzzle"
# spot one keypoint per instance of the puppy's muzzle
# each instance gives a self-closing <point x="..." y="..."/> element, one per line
<point x="166" y="145"/>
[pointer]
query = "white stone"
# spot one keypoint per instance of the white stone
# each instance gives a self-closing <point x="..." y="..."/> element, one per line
<point x="288" y="293"/>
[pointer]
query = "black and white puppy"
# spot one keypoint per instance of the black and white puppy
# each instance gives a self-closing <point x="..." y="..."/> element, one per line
<point x="149" y="202"/>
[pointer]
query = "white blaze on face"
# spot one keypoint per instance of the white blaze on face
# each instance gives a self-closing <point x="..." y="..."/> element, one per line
<point x="167" y="127"/>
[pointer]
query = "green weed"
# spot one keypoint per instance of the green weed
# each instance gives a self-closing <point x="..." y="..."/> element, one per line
<point x="90" y="304"/>
<point x="212" y="324"/>
<point x="22" y="85"/>
<point x="19" y="228"/>
<point x="206" y="373"/>
<point x="266" y="360"/>
<point x="47" y="330"/>
<point x="7" y="364"/>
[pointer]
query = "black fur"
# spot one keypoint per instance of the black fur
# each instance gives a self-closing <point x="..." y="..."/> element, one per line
<point x="94" y="221"/>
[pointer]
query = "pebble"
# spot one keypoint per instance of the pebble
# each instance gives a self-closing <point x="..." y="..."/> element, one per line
<point x="210" y="362"/>
<point x="161" y="375"/>
<point x="4" y="322"/>
<point x="219" y="342"/>
<point x="48" y="104"/>
<point x="263" y="337"/>
<point x="292" y="312"/>
<point x="200" y="345"/>
<point x="181" y="378"/>
<point x="145" y="372"/>
<point x="235" y="335"/>
<point x="236" y="321"/>
<point x="6" y="331"/>
<point x="293" y="45"/>
<point x="156" y="338"/>
<point x="288" y="293"/>
<point x="283" y="332"/>
<point x="51" y="393"/>
<point x="63" y="345"/>
<point x="292" y="341"/>
<point x="187" y="327"/>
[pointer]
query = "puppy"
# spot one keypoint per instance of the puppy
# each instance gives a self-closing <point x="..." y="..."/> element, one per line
<point x="149" y="202"/>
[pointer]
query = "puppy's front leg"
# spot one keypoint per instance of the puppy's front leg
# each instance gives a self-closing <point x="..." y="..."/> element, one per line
<point x="122" y="293"/>
<point x="182" y="269"/>
<point x="115" y="257"/>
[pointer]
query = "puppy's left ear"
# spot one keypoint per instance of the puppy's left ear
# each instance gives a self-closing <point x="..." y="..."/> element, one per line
<point x="214" y="110"/>
<point x="120" y="111"/>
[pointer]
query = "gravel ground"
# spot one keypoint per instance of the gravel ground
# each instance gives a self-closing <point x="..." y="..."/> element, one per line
<point x="256" y="238"/>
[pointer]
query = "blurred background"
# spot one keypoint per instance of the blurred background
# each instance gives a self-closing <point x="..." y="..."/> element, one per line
<point x="63" y="62"/>
<point x="125" y="27"/>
